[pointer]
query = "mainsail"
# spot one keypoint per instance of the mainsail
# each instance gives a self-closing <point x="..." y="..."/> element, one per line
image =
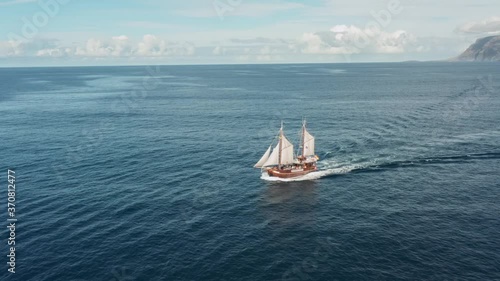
<point x="308" y="145"/>
<point x="286" y="152"/>
<point x="264" y="158"/>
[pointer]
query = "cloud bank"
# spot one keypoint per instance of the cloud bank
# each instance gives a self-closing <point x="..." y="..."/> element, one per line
<point x="338" y="43"/>
<point x="342" y="39"/>
<point x="489" y="26"/>
<point x="115" y="47"/>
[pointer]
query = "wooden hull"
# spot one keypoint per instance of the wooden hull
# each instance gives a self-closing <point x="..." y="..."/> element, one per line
<point x="290" y="173"/>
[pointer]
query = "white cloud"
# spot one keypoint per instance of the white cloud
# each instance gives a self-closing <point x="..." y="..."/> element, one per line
<point x="121" y="46"/>
<point x="55" y="52"/>
<point x="151" y="46"/>
<point x="95" y="48"/>
<point x="489" y="26"/>
<point x="25" y="48"/>
<point x="314" y="44"/>
<point x="343" y="39"/>
<point x="117" y="47"/>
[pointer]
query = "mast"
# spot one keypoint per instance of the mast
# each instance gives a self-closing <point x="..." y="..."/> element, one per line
<point x="280" y="145"/>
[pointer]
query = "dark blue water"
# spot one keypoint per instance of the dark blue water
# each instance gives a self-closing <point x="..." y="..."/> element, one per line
<point x="137" y="173"/>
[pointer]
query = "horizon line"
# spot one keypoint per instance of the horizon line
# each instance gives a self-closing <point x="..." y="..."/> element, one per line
<point x="231" y="64"/>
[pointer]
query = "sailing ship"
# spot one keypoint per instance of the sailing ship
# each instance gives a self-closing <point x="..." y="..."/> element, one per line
<point x="281" y="161"/>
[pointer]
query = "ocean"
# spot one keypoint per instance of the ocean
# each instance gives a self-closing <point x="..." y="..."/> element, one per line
<point x="146" y="172"/>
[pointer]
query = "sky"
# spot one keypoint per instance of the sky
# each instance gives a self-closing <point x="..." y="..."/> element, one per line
<point x="132" y="32"/>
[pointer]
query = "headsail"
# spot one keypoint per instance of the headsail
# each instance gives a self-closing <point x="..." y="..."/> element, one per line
<point x="273" y="159"/>
<point x="264" y="158"/>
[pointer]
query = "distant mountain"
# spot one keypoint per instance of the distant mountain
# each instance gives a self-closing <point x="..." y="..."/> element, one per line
<point x="485" y="49"/>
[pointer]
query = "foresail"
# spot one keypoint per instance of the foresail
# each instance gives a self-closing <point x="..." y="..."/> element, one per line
<point x="308" y="144"/>
<point x="263" y="159"/>
<point x="273" y="158"/>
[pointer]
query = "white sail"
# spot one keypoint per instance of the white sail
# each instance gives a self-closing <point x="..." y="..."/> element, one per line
<point x="273" y="158"/>
<point x="263" y="159"/>
<point x="308" y="144"/>
<point x="286" y="152"/>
